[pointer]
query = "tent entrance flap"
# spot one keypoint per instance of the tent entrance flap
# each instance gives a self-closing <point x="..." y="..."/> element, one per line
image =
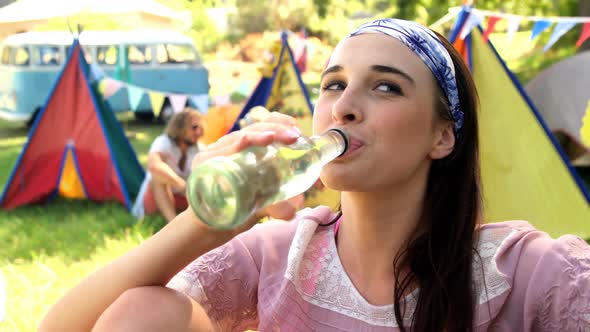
<point x="70" y="181"/>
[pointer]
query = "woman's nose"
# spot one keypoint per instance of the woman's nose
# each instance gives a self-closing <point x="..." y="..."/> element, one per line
<point x="347" y="108"/>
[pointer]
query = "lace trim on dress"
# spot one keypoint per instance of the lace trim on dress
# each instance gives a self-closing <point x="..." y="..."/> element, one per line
<point x="488" y="282"/>
<point x="319" y="277"/>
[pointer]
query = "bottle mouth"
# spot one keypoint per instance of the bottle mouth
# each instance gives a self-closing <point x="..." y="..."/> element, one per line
<point x="344" y="138"/>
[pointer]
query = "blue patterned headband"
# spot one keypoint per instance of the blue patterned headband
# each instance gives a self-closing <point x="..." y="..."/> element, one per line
<point x="430" y="49"/>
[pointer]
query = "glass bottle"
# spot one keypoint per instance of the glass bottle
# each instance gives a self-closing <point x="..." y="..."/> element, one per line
<point x="224" y="191"/>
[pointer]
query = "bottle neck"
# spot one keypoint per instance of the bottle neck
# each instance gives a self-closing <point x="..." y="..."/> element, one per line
<point x="331" y="144"/>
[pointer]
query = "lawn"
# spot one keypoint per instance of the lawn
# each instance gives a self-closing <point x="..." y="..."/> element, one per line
<point x="46" y="249"/>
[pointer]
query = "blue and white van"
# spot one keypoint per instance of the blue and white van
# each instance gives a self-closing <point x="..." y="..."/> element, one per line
<point x="159" y="60"/>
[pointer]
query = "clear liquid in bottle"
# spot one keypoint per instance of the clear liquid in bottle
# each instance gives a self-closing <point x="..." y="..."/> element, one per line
<point x="224" y="191"/>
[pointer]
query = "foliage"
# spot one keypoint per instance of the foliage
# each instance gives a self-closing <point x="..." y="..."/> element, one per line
<point x="330" y="19"/>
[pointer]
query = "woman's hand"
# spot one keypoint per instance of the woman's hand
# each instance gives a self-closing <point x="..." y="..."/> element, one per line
<point x="276" y="128"/>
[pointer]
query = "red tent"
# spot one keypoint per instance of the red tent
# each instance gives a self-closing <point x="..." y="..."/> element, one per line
<point x="76" y="148"/>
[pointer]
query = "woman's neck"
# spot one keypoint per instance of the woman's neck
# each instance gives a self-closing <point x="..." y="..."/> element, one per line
<point x="375" y="227"/>
<point x="182" y="145"/>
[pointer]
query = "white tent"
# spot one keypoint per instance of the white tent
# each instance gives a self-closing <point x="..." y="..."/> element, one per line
<point x="561" y="94"/>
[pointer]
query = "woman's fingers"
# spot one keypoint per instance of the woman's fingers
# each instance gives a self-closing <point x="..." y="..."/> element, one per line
<point x="285" y="133"/>
<point x="258" y="134"/>
<point x="281" y="118"/>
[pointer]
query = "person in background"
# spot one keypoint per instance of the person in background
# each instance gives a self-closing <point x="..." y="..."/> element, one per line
<point x="169" y="164"/>
<point x="407" y="251"/>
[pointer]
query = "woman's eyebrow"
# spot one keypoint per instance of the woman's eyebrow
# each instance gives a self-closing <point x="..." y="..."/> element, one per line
<point x="392" y="70"/>
<point x="332" y="69"/>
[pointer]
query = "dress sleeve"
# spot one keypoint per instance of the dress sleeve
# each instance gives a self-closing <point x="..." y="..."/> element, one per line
<point x="559" y="291"/>
<point x="161" y="144"/>
<point x="225" y="282"/>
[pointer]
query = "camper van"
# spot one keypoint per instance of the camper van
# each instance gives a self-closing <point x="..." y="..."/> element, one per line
<point x="158" y="60"/>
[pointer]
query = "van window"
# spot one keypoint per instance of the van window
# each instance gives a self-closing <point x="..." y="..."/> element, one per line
<point x="21" y="56"/>
<point x="174" y="53"/>
<point x="106" y="55"/>
<point x="139" y="54"/>
<point x="6" y="55"/>
<point x="87" y="53"/>
<point x="45" y="55"/>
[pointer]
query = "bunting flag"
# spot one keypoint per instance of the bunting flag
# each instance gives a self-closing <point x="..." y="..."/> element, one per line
<point x="201" y="102"/>
<point x="109" y="87"/>
<point x="96" y="73"/>
<point x="513" y="23"/>
<point x="560" y="29"/>
<point x="585" y="34"/>
<point x="157" y="100"/>
<point x="222" y="100"/>
<point x="178" y="102"/>
<point x="539" y="27"/>
<point x="301" y="53"/>
<point x="473" y="20"/>
<point x="562" y="26"/>
<point x="491" y="24"/>
<point x="135" y="95"/>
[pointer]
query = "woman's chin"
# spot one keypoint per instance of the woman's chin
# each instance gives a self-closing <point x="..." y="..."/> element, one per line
<point x="339" y="182"/>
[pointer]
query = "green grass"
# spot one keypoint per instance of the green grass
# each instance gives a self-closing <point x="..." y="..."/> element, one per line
<point x="46" y="249"/>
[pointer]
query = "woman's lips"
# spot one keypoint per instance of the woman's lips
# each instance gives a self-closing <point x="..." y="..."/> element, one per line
<point x="354" y="144"/>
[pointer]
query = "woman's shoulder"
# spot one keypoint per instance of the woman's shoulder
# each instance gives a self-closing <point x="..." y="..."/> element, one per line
<point x="531" y="273"/>
<point x="520" y="239"/>
<point x="512" y="243"/>
<point x="161" y="143"/>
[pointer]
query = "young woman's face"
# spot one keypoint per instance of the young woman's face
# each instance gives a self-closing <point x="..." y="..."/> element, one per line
<point x="193" y="130"/>
<point x="383" y="95"/>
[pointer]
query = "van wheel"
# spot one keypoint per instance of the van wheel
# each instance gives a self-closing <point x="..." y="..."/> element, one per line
<point x="33" y="117"/>
<point x="143" y="116"/>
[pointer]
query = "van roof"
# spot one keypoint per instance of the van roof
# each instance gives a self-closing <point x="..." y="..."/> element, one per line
<point x="96" y="37"/>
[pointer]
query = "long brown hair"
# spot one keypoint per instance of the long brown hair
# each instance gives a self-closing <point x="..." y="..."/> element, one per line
<point x="439" y="254"/>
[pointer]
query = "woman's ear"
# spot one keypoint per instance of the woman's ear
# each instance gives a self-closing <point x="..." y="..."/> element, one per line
<point x="444" y="140"/>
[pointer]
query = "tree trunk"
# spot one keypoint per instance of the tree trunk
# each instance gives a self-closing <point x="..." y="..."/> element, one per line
<point x="584" y="10"/>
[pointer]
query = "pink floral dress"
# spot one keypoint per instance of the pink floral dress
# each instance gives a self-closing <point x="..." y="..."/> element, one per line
<point x="287" y="276"/>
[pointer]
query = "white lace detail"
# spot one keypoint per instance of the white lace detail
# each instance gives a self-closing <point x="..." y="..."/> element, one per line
<point x="319" y="277"/>
<point x="485" y="272"/>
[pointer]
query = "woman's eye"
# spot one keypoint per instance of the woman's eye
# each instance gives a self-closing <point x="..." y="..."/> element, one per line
<point x="389" y="88"/>
<point x="333" y="86"/>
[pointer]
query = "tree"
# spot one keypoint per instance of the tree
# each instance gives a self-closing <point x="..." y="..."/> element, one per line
<point x="584" y="10"/>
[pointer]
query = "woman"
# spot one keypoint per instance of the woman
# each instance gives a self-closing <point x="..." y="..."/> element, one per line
<point x="405" y="252"/>
<point x="169" y="164"/>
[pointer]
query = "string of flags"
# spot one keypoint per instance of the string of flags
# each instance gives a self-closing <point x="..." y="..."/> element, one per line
<point x="108" y="86"/>
<point x="541" y="23"/>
